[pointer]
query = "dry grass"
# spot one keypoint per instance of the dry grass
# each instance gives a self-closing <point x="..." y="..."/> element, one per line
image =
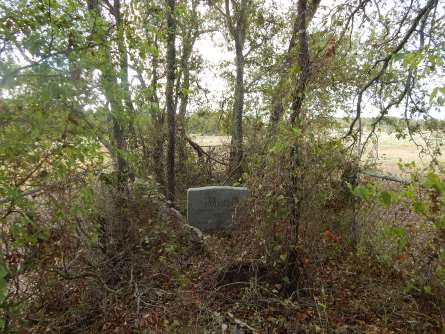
<point x="390" y="152"/>
<point x="211" y="140"/>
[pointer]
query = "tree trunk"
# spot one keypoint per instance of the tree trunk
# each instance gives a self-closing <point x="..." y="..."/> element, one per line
<point x="189" y="36"/>
<point x="116" y="233"/>
<point x="279" y="92"/>
<point x="183" y="102"/>
<point x="238" y="106"/>
<point x="237" y="25"/>
<point x="159" y="120"/>
<point x="297" y="120"/>
<point x="111" y="89"/>
<point x="169" y="98"/>
<point x="158" y="151"/>
<point x="123" y="71"/>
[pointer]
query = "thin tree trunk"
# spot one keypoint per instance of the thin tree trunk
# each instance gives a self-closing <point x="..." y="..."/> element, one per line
<point x="189" y="36"/>
<point x="237" y="26"/>
<point x="123" y="73"/>
<point x="159" y="120"/>
<point x="116" y="233"/>
<point x="183" y="102"/>
<point x="111" y="89"/>
<point x="238" y="106"/>
<point x="170" y="103"/>
<point x="158" y="151"/>
<point x="113" y="92"/>
<point x="279" y="92"/>
<point x="297" y="119"/>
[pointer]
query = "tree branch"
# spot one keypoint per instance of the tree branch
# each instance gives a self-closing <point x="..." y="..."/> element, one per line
<point x="386" y="62"/>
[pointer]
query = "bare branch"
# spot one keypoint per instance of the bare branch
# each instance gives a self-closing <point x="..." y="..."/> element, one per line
<point x="23" y="194"/>
<point x="407" y="87"/>
<point x="387" y="60"/>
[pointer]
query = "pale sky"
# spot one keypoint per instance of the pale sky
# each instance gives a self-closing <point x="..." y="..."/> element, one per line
<point x="213" y="50"/>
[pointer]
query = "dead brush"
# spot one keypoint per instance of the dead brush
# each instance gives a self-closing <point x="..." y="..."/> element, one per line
<point x="128" y="262"/>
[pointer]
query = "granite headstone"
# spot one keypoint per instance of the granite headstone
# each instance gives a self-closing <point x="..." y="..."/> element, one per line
<point x="211" y="208"/>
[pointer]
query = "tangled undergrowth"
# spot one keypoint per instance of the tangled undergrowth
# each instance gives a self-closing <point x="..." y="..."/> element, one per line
<point x="125" y="262"/>
<point x="164" y="278"/>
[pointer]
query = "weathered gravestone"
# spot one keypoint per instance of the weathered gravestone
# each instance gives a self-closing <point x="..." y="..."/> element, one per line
<point x="211" y="208"/>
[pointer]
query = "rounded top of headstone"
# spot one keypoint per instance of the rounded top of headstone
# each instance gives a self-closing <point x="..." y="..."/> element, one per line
<point x="217" y="188"/>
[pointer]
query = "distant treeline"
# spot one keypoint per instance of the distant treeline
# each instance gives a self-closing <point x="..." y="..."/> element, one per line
<point x="394" y="124"/>
<point x="215" y="123"/>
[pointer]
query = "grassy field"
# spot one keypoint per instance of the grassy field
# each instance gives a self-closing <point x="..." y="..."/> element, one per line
<point x="390" y="151"/>
<point x="211" y="140"/>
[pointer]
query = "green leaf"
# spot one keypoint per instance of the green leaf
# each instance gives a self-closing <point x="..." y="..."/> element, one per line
<point x="386" y="198"/>
<point x="294" y="69"/>
<point x="412" y="59"/>
<point x="433" y="181"/>
<point x="296" y="131"/>
<point x="440" y="224"/>
<point x="363" y="192"/>
<point x="170" y="248"/>
<point x="3" y="273"/>
<point x="420" y="208"/>
<point x="276" y="148"/>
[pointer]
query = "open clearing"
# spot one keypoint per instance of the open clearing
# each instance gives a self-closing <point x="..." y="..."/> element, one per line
<point x="390" y="151"/>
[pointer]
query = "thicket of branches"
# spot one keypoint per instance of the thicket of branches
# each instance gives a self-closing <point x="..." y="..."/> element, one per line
<point x="99" y="101"/>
